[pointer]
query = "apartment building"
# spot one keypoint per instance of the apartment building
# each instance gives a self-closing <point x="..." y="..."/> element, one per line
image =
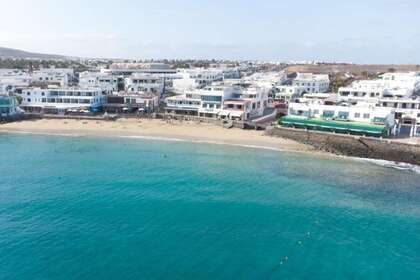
<point x="312" y="83"/>
<point x="58" y="100"/>
<point x="143" y="82"/>
<point x="12" y="79"/>
<point x="58" y="76"/>
<point x="287" y="93"/>
<point x="206" y="102"/>
<point x="106" y="81"/>
<point x="196" y="78"/>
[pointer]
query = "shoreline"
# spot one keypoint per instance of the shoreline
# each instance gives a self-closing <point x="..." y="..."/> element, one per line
<point x="181" y="131"/>
<point x="154" y="130"/>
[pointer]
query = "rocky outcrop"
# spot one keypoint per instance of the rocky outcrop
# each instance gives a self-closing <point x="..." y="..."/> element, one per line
<point x="350" y="145"/>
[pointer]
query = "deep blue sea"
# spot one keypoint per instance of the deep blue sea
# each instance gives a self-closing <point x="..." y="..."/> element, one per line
<point x="88" y="208"/>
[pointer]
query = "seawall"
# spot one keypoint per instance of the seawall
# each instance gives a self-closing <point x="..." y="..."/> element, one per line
<point x="350" y="145"/>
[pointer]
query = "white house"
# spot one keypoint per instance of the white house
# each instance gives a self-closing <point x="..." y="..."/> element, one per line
<point x="106" y="81"/>
<point x="148" y="83"/>
<point x="231" y="73"/>
<point x="58" y="76"/>
<point x="207" y="102"/>
<point x="246" y="104"/>
<point x="288" y="93"/>
<point x="388" y="85"/>
<point x="212" y="98"/>
<point x="312" y="83"/>
<point x="196" y="78"/>
<point x="11" y="79"/>
<point x="185" y="104"/>
<point x="397" y="91"/>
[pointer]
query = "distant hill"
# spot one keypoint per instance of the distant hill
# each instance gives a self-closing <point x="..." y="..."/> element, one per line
<point x="14" y="53"/>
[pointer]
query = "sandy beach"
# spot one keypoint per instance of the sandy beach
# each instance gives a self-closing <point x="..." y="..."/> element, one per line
<point x="181" y="130"/>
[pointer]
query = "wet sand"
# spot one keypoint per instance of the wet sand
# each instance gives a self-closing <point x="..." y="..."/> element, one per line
<point x="144" y="128"/>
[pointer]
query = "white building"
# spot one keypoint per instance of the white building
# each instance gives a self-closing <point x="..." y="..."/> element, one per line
<point x="398" y="91"/>
<point x="389" y="85"/>
<point x="212" y="98"/>
<point x="185" y="83"/>
<point x="57" y="76"/>
<point x="288" y="93"/>
<point x="105" y="81"/>
<point x="185" y="104"/>
<point x="312" y="83"/>
<point x="410" y="80"/>
<point x="196" y="78"/>
<point x="246" y="104"/>
<point x="207" y="102"/>
<point x="147" y="83"/>
<point x="360" y="112"/>
<point x="61" y="100"/>
<point x="266" y="78"/>
<point x="127" y="69"/>
<point x="220" y="101"/>
<point x="11" y="79"/>
<point x="231" y="73"/>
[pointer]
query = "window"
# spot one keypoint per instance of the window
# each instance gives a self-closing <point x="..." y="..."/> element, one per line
<point x="211" y="98"/>
<point x="366" y="116"/>
<point x="357" y="115"/>
<point x="328" y="114"/>
<point x="343" y="115"/>
<point x="379" y="120"/>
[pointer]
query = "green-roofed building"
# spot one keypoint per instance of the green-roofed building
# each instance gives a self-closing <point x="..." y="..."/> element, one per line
<point x="347" y="127"/>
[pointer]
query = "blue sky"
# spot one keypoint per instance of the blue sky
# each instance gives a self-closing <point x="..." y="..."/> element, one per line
<point x="361" y="31"/>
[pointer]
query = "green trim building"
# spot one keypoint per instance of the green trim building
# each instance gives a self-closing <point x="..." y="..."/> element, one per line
<point x="345" y="127"/>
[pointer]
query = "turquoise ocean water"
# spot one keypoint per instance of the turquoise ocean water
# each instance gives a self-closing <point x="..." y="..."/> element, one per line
<point x="86" y="208"/>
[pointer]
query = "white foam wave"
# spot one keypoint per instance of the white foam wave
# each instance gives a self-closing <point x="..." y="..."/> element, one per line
<point x="391" y="164"/>
<point x="205" y="142"/>
<point x="43" y="133"/>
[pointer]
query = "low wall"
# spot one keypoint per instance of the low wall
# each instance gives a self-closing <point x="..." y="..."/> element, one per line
<point x="348" y="145"/>
<point x="16" y="118"/>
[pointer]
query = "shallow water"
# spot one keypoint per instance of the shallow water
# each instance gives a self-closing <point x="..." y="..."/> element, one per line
<point x="87" y="208"/>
